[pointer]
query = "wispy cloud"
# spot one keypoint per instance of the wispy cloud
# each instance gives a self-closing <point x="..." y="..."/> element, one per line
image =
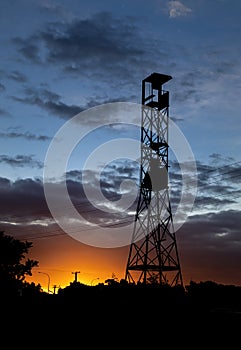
<point x="26" y="135"/>
<point x="4" y="113"/>
<point x="56" y="9"/>
<point x="178" y="9"/>
<point x="2" y="87"/>
<point x="17" y="76"/>
<point x="21" y="161"/>
<point x="102" y="45"/>
<point x="92" y="40"/>
<point x="52" y="103"/>
<point x="48" y="101"/>
<point x="218" y="184"/>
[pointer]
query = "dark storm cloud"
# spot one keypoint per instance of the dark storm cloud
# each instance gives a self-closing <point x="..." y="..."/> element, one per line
<point x="24" y="201"/>
<point x="25" y="135"/>
<point x="22" y="198"/>
<point x="21" y="161"/>
<point x="215" y="229"/>
<point x="212" y="241"/>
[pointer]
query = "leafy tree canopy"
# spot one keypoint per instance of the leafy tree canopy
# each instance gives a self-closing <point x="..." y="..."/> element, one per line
<point x="14" y="266"/>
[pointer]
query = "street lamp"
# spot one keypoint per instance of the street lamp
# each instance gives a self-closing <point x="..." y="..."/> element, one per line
<point x="45" y="273"/>
<point x="94" y="280"/>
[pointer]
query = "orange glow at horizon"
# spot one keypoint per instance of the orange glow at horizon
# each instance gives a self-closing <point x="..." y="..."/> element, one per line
<point x="60" y="257"/>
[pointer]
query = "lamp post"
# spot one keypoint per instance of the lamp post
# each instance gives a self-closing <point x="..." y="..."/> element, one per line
<point x="45" y="273"/>
<point x="93" y="281"/>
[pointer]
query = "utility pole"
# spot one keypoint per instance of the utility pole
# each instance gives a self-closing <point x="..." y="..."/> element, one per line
<point x="75" y="275"/>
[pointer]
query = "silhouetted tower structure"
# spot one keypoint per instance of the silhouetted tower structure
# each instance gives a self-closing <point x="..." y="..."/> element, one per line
<point x="153" y="255"/>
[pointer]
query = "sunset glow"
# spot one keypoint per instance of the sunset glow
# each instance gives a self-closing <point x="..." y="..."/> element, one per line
<point x="71" y="74"/>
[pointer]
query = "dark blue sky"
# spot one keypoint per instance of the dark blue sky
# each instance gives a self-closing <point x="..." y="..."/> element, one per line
<point x="59" y="58"/>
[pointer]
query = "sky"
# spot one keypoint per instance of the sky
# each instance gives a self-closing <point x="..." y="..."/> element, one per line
<point x="70" y="92"/>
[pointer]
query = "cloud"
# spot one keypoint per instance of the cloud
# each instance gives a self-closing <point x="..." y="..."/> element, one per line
<point x="218" y="184"/>
<point x="177" y="9"/>
<point x="56" y="9"/>
<point x="209" y="245"/>
<point x="113" y="177"/>
<point x="4" y="113"/>
<point x="28" y="48"/>
<point x="49" y="101"/>
<point x="2" y="87"/>
<point x="206" y="240"/>
<point x="26" y="135"/>
<point x="213" y="191"/>
<point x="25" y="204"/>
<point x="21" y="198"/>
<point x="17" y="76"/>
<point x="100" y="48"/>
<point x="52" y="103"/>
<point x="217" y="158"/>
<point x="90" y="40"/>
<point x="111" y="55"/>
<point x="21" y="161"/>
<point x="214" y="231"/>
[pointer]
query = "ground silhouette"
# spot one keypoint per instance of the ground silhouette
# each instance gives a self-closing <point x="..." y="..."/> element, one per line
<point x="149" y="314"/>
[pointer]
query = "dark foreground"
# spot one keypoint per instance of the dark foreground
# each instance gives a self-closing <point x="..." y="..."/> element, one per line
<point x="121" y="318"/>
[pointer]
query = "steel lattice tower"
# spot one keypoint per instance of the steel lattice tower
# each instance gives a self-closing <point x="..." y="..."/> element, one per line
<point x="153" y="255"/>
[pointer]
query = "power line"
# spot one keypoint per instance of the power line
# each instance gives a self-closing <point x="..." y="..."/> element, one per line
<point x="92" y="210"/>
<point x="122" y="222"/>
<point x="51" y="234"/>
<point x="195" y="179"/>
<point x="80" y="205"/>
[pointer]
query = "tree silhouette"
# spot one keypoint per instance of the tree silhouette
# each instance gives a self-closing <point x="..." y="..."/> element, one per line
<point x="14" y="266"/>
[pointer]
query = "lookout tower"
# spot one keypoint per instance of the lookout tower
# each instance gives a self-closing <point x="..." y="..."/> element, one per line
<point x="153" y="255"/>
